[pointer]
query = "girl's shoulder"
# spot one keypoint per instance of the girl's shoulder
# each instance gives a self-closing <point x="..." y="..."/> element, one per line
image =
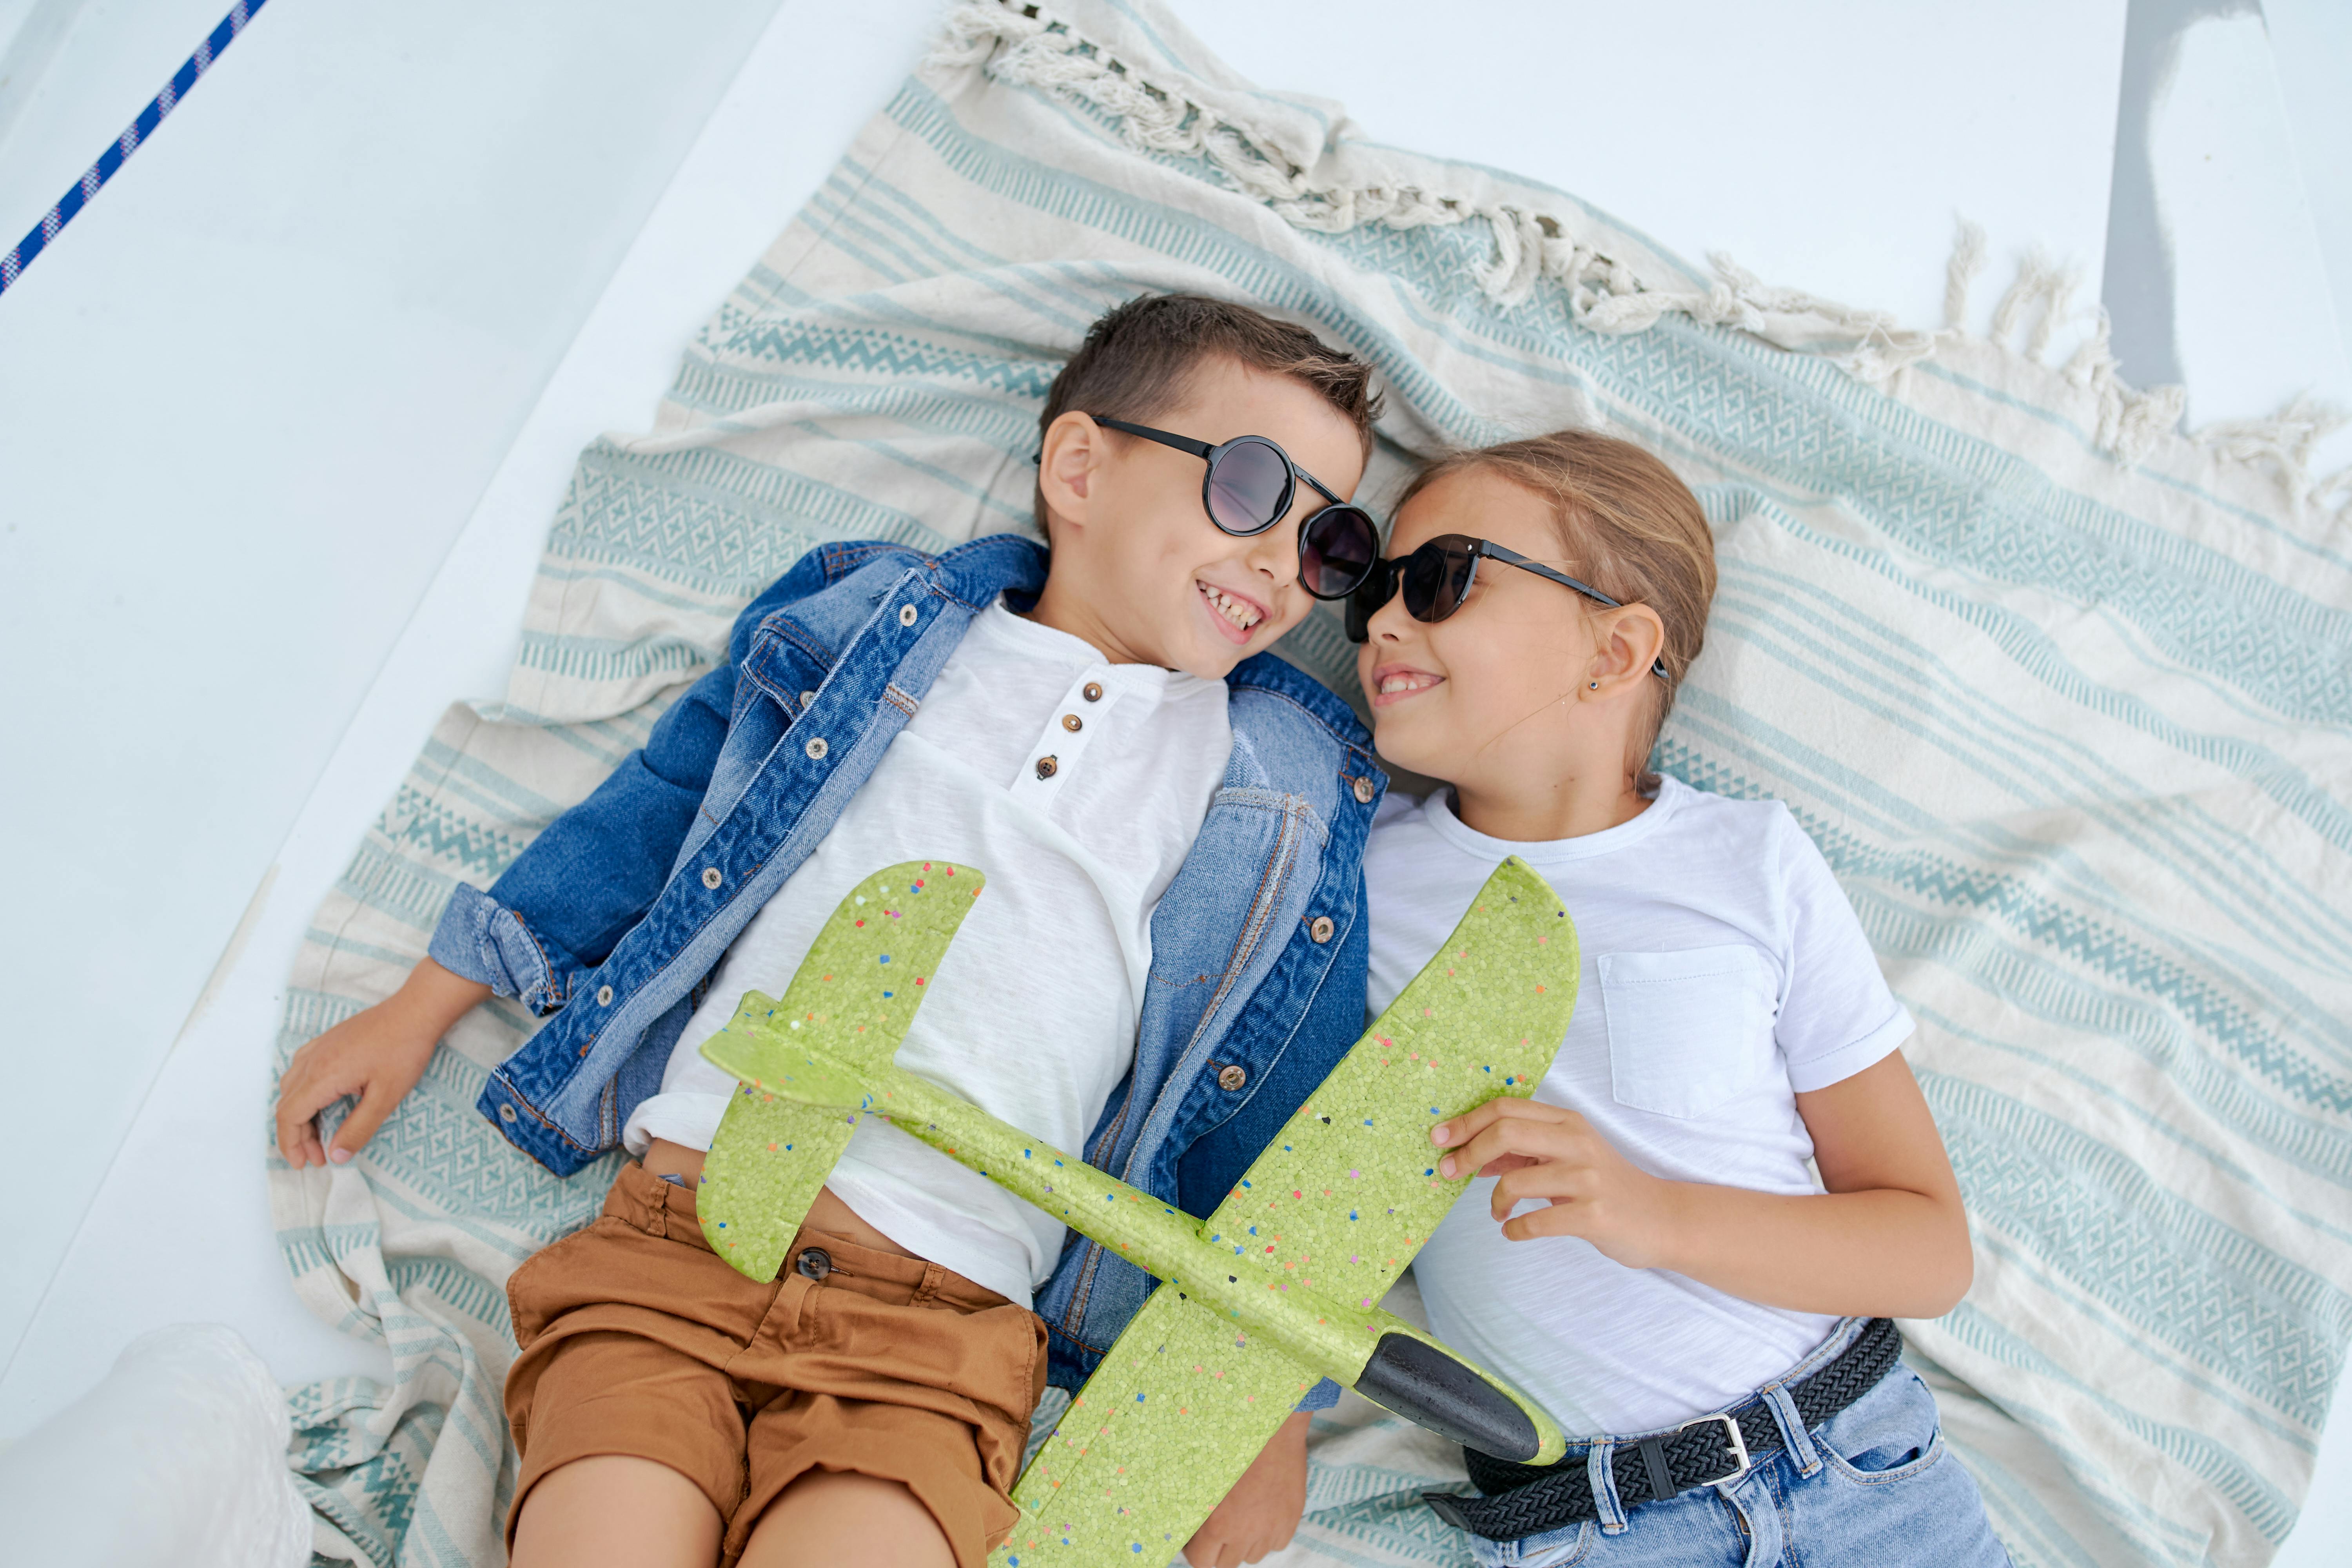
<point x="1752" y="823"/>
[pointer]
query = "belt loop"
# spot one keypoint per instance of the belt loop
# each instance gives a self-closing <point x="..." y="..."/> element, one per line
<point x="1783" y="1406"/>
<point x="1600" y="1466"/>
<point x="928" y="1291"/>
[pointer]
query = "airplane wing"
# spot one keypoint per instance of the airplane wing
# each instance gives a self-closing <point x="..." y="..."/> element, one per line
<point x="1342" y="1199"/>
<point x="1168" y="1421"/>
<point x="856" y="992"/>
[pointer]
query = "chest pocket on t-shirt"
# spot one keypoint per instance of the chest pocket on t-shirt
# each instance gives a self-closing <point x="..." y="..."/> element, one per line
<point x="1686" y="1030"/>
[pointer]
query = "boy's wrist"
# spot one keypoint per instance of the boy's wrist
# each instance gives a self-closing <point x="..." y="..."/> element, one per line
<point x="434" y="995"/>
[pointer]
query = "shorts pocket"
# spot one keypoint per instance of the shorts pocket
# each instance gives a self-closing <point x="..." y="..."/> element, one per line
<point x="1687" y="1030"/>
<point x="1889" y="1435"/>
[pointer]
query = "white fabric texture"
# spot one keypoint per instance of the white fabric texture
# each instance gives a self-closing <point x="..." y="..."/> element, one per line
<point x="1723" y="971"/>
<point x="1032" y="1013"/>
<point x="176" y="1459"/>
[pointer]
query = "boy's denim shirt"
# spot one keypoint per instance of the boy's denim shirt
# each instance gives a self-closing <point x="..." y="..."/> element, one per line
<point x="614" y="917"/>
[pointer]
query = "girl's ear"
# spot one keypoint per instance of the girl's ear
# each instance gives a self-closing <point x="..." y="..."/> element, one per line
<point x="1069" y="466"/>
<point x="1626" y="642"/>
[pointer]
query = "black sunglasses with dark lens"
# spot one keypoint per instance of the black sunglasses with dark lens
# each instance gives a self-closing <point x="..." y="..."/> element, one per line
<point x="1438" y="576"/>
<point x="1248" y="489"/>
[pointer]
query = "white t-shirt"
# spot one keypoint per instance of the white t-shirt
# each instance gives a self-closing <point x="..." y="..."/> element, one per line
<point x="1032" y="1014"/>
<point x="1724" y="973"/>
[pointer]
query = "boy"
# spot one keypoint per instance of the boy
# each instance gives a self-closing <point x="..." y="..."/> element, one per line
<point x="1170" y="957"/>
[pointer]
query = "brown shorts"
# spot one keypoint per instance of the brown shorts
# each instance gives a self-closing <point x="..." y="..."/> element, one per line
<point x="635" y="1338"/>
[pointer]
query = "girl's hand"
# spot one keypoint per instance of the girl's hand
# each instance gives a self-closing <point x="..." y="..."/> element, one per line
<point x="377" y="1055"/>
<point x="1538" y="1151"/>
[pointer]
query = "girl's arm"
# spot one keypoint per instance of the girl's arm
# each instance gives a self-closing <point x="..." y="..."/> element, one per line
<point x="1887" y="1239"/>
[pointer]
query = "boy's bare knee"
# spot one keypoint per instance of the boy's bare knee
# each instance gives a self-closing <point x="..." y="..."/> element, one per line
<point x="616" y="1508"/>
<point x="841" y="1516"/>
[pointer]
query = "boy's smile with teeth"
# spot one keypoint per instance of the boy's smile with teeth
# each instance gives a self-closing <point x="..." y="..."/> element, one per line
<point x="1242" y="614"/>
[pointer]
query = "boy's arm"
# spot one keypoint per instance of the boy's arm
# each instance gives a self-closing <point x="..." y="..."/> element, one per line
<point x="1262" y="1512"/>
<point x="1889" y="1238"/>
<point x="559" y="907"/>
<point x="555" y="911"/>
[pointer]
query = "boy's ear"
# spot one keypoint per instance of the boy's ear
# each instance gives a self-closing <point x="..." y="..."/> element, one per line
<point x="1070" y="464"/>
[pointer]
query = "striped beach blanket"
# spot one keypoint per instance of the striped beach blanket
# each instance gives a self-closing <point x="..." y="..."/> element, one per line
<point x="2062" y="695"/>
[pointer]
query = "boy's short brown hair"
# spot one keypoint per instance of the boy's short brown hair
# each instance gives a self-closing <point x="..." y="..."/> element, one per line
<point x="1139" y="358"/>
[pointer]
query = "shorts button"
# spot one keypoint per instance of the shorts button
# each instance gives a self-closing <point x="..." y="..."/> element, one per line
<point x="1092" y="691"/>
<point x="1073" y="723"/>
<point x="813" y="1263"/>
<point x="506" y="1113"/>
<point x="816" y="748"/>
<point x="1320" y="928"/>
<point x="1232" y="1078"/>
<point x="711" y="878"/>
<point x="807" y="698"/>
<point x="1048" y="766"/>
<point x="906" y="618"/>
<point x="1363" y="792"/>
<point x="604" y="995"/>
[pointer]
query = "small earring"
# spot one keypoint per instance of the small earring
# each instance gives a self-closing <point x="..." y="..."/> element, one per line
<point x="1595" y="685"/>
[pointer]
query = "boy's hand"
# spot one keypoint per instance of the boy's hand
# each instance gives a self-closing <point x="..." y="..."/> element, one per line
<point x="1542" y="1152"/>
<point x="377" y="1055"/>
<point x="1261" y="1513"/>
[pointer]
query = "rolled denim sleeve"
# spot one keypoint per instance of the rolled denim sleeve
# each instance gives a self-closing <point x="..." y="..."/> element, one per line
<point x="481" y="940"/>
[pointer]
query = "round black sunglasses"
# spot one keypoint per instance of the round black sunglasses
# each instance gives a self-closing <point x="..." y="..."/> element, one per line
<point x="1438" y="576"/>
<point x="1248" y="489"/>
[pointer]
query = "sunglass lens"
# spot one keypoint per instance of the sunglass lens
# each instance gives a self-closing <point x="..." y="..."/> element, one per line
<point x="1336" y="549"/>
<point x="1247" y="485"/>
<point x="1425" y="579"/>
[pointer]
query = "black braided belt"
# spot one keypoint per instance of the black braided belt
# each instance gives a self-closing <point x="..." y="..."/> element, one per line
<point x="1522" y="1500"/>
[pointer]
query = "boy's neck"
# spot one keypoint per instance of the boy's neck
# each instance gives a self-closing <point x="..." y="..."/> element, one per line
<point x="1568" y="807"/>
<point x="1072" y="612"/>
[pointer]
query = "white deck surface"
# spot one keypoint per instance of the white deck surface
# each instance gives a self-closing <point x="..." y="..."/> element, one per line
<point x="285" y="413"/>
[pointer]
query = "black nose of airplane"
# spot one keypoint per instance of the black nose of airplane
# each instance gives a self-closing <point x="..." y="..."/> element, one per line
<point x="1423" y="1384"/>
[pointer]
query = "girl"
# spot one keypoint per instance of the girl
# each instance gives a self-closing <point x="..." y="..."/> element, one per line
<point x="1645" y="1252"/>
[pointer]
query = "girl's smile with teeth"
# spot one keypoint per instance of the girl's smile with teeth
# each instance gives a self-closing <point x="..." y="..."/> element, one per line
<point x="1395" y="683"/>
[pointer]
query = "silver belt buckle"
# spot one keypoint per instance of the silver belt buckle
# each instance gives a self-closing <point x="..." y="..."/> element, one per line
<point x="1738" y="1446"/>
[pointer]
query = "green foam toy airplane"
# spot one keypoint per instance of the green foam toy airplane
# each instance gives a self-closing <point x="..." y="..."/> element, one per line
<point x="1279" y="1288"/>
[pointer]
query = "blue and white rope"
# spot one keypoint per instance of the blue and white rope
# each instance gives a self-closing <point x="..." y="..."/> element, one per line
<point x="13" y="264"/>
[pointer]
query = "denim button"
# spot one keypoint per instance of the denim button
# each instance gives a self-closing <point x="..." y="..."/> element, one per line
<point x="506" y="1113"/>
<point x="1363" y="792"/>
<point x="807" y="698"/>
<point x="1073" y="723"/>
<point x="1232" y="1078"/>
<point x="816" y="749"/>
<point x="711" y="878"/>
<point x="1320" y="928"/>
<point x="814" y="1263"/>
<point x="1048" y="766"/>
<point x="1092" y="691"/>
<point x="604" y="995"/>
<point x="906" y="618"/>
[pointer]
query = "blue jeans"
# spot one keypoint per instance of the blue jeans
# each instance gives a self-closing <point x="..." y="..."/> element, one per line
<point x="1873" y="1484"/>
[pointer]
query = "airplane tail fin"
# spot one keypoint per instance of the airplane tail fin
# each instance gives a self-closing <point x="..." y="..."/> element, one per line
<point x="797" y="1059"/>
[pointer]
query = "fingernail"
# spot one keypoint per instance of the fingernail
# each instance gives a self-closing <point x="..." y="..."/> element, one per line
<point x="340" y="1156"/>
<point x="1446" y="1166"/>
<point x="1442" y="1133"/>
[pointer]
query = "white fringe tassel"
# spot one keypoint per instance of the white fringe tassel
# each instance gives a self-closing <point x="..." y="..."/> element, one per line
<point x="1023" y="45"/>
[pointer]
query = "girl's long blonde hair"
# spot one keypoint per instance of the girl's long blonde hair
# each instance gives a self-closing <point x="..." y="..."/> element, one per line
<point x="1627" y="526"/>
